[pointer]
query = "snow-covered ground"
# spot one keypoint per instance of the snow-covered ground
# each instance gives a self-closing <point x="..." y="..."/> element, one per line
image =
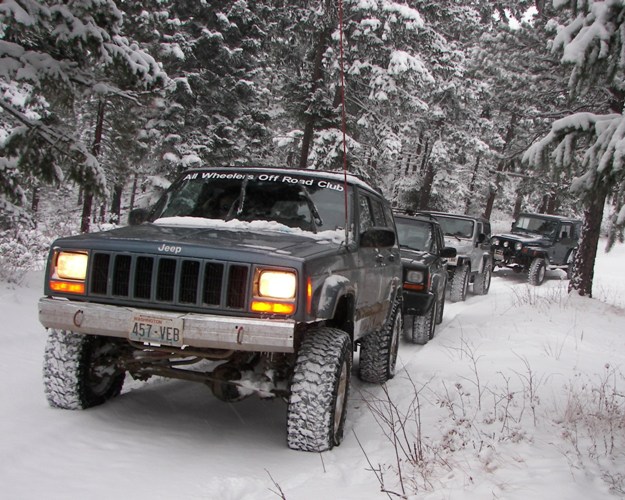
<point x="520" y="395"/>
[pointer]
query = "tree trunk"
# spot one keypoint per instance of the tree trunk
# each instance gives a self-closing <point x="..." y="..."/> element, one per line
<point x="518" y="203"/>
<point x="467" y="203"/>
<point x="133" y="194"/>
<point x="116" y="203"/>
<point x="311" y="118"/>
<point x="87" y="203"/>
<point x="587" y="251"/>
<point x="492" y="194"/>
<point x="490" y="201"/>
<point x="88" y="194"/>
<point x="425" y="193"/>
<point x="34" y="205"/>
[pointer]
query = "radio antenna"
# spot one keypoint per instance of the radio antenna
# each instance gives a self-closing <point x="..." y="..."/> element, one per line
<point x="343" y="118"/>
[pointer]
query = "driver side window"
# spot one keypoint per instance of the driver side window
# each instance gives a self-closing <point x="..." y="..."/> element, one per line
<point x="365" y="215"/>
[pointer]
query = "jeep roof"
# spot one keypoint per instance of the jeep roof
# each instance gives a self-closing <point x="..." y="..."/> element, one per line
<point x="561" y="218"/>
<point x="436" y="213"/>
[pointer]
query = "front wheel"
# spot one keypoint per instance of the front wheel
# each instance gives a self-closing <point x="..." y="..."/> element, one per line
<point x="80" y="371"/>
<point x="319" y="391"/>
<point x="459" y="284"/>
<point x="538" y="269"/>
<point x="420" y="329"/>
<point x="378" y="350"/>
<point x="481" y="284"/>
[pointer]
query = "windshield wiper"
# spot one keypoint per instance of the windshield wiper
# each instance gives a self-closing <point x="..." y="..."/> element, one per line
<point x="313" y="209"/>
<point x="240" y="201"/>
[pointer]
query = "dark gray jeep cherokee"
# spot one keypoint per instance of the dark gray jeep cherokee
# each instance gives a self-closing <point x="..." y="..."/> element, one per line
<point x="250" y="280"/>
<point x="424" y="259"/>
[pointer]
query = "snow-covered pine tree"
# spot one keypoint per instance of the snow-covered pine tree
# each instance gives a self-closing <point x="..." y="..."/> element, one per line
<point x="54" y="56"/>
<point x="214" y="109"/>
<point x="591" y="43"/>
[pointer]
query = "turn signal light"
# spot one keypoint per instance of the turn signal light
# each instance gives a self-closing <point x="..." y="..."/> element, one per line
<point x="67" y="287"/>
<point x="273" y="307"/>
<point x="415" y="287"/>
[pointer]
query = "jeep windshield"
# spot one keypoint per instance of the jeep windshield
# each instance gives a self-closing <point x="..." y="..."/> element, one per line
<point x="309" y="203"/>
<point x="414" y="234"/>
<point x="536" y="225"/>
<point x="459" y="228"/>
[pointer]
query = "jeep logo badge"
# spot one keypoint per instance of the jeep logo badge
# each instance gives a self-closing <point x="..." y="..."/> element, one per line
<point x="170" y="249"/>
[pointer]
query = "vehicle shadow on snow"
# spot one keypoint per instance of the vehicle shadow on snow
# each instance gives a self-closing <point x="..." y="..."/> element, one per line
<point x="173" y="409"/>
<point x="522" y="278"/>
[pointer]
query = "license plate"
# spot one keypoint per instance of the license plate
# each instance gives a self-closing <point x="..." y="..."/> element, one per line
<point x="156" y="329"/>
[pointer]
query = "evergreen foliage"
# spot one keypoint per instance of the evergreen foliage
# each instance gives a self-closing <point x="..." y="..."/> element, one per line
<point x="52" y="57"/>
<point x="591" y="43"/>
<point x="442" y="98"/>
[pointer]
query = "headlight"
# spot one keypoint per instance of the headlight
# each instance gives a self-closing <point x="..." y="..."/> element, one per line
<point x="71" y="266"/>
<point x="415" y="276"/>
<point x="495" y="242"/>
<point x="506" y="244"/>
<point x="274" y="292"/>
<point x="518" y="246"/>
<point x="277" y="284"/>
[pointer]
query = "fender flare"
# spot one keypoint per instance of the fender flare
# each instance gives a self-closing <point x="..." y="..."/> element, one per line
<point x="334" y="287"/>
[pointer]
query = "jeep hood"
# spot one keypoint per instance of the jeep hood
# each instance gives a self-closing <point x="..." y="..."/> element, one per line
<point x="414" y="257"/>
<point x="462" y="246"/>
<point x="526" y="239"/>
<point x="223" y="240"/>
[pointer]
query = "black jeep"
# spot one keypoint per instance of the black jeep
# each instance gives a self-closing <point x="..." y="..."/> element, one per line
<point x="249" y="280"/>
<point x="424" y="259"/>
<point x="536" y="243"/>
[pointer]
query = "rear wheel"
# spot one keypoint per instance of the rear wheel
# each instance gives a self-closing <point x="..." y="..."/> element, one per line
<point x="80" y="371"/>
<point x="481" y="285"/>
<point x="420" y="329"/>
<point x="319" y="391"/>
<point x="537" y="271"/>
<point x="459" y="284"/>
<point x="378" y="350"/>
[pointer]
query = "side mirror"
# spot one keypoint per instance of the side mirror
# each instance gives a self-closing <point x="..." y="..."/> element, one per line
<point x="513" y="225"/>
<point x="138" y="216"/>
<point x="377" y="237"/>
<point x="481" y="238"/>
<point x="448" y="252"/>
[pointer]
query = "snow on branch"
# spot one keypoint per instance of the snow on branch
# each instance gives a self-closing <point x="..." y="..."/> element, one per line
<point x="606" y="155"/>
<point x="406" y="14"/>
<point x="578" y="38"/>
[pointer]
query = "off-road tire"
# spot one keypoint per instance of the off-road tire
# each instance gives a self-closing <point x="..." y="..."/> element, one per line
<point x="440" y="309"/>
<point x="420" y="329"/>
<point x="319" y="391"/>
<point x="481" y="283"/>
<point x="378" y="350"/>
<point x="537" y="271"/>
<point x="80" y="371"/>
<point x="459" y="284"/>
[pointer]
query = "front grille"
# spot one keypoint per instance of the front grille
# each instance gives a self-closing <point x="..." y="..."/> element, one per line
<point x="505" y="247"/>
<point x="169" y="280"/>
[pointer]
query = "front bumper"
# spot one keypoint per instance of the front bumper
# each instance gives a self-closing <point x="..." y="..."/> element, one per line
<point x="417" y="303"/>
<point x="200" y="330"/>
